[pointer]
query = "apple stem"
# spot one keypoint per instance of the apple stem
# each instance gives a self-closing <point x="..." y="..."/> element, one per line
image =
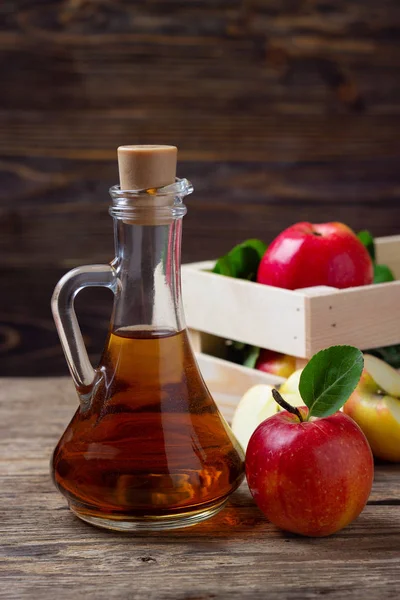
<point x="283" y="404"/>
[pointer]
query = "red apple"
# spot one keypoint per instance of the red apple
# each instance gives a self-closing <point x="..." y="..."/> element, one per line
<point x="311" y="478"/>
<point x="276" y="363"/>
<point x="306" y="255"/>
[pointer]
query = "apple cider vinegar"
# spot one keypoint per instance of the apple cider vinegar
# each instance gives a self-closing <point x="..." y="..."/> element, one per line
<point x="152" y="441"/>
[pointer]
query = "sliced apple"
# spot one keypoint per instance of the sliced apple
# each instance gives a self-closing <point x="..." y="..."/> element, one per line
<point x="379" y="418"/>
<point x="290" y="389"/>
<point x="385" y="376"/>
<point x="393" y="405"/>
<point x="375" y="411"/>
<point x="256" y="405"/>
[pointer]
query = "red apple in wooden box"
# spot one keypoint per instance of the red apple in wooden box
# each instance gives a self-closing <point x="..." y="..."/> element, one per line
<point x="305" y="255"/>
<point x="276" y="363"/>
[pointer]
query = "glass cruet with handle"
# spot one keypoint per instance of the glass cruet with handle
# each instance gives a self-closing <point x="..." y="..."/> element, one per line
<point x="147" y="447"/>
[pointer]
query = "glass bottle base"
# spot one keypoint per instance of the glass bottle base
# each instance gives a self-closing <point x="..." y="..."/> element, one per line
<point x="148" y="523"/>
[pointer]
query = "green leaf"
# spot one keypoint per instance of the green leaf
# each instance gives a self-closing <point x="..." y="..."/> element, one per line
<point x="238" y="346"/>
<point x="259" y="246"/>
<point x="367" y="240"/>
<point x="329" y="379"/>
<point x="251" y="357"/>
<point x="222" y="267"/>
<point x="382" y="274"/>
<point x="242" y="354"/>
<point x="242" y="261"/>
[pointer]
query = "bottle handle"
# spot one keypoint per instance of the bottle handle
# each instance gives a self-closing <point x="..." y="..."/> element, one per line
<point x="62" y="306"/>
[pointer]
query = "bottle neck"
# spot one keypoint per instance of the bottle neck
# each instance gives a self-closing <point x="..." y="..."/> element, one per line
<point x="148" y="261"/>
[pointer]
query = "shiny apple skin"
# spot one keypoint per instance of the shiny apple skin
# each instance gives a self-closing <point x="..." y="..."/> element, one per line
<point x="276" y="363"/>
<point x="310" y="478"/>
<point x="306" y="255"/>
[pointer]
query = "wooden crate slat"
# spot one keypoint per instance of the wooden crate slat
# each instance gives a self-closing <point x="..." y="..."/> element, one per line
<point x="388" y="252"/>
<point x="243" y="311"/>
<point x="366" y="317"/>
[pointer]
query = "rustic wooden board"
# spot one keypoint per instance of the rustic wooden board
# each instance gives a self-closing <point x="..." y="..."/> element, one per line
<point x="283" y="111"/>
<point x="387" y="252"/>
<point x="242" y="310"/>
<point x="290" y="80"/>
<point x="365" y="318"/>
<point x="46" y="552"/>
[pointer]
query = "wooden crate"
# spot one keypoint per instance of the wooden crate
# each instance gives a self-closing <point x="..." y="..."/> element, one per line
<point x="297" y="322"/>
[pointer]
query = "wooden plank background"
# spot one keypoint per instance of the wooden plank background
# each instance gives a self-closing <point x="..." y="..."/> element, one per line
<point x="282" y="111"/>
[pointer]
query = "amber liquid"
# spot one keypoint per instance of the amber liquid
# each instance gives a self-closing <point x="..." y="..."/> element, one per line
<point x="152" y="443"/>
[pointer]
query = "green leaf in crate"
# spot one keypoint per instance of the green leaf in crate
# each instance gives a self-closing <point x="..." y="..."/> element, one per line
<point x="259" y="246"/>
<point x="251" y="357"/>
<point x="238" y="346"/>
<point x="329" y="378"/>
<point x="367" y="240"/>
<point x="242" y="261"/>
<point x="382" y="274"/>
<point x="242" y="354"/>
<point x="222" y="267"/>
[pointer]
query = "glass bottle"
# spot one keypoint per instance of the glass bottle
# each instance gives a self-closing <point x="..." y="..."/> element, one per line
<point x="147" y="447"/>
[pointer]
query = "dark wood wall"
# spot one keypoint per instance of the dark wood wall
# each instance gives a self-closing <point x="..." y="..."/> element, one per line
<point x="283" y="111"/>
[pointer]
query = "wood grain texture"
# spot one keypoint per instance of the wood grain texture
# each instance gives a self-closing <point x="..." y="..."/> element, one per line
<point x="244" y="311"/>
<point x="365" y="318"/>
<point x="283" y="111"/>
<point x="47" y="552"/>
<point x="387" y="252"/>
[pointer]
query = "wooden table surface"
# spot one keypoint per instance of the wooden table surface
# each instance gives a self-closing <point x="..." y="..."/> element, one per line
<point x="47" y="553"/>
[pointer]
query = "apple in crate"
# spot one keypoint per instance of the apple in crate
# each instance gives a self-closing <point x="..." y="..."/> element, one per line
<point x="310" y="469"/>
<point x="375" y="406"/>
<point x="276" y="363"/>
<point x="307" y="255"/>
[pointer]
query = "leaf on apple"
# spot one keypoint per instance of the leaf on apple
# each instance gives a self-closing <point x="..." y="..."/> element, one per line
<point x="242" y="261"/>
<point x="329" y="378"/>
<point x="367" y="240"/>
<point x="382" y="273"/>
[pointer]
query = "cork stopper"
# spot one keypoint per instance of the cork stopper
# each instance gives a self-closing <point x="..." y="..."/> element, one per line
<point x="146" y="167"/>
